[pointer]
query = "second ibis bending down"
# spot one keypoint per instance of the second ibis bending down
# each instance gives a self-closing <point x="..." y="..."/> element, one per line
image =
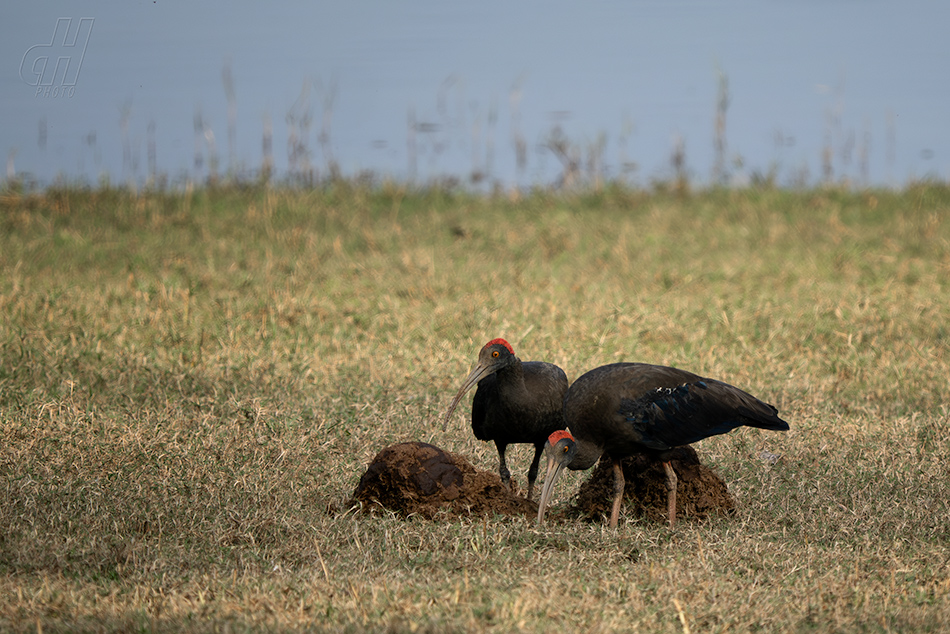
<point x="516" y="402"/>
<point x="626" y="408"/>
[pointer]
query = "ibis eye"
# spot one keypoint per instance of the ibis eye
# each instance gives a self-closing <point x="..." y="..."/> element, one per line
<point x="494" y="353"/>
<point x="566" y="448"/>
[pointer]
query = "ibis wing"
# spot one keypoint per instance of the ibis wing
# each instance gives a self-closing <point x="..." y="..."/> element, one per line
<point x="666" y="417"/>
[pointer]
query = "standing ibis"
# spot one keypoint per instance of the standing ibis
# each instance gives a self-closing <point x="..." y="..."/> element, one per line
<point x="516" y="402"/>
<point x="626" y="408"/>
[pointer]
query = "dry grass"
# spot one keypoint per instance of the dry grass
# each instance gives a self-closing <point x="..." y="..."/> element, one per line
<point x="191" y="385"/>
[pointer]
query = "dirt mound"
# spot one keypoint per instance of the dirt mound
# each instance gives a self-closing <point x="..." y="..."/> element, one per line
<point x="416" y="478"/>
<point x="699" y="491"/>
<point x="422" y="479"/>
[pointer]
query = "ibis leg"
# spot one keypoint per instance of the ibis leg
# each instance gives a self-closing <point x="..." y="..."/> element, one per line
<point x="533" y="469"/>
<point x="618" y="493"/>
<point x="503" y="466"/>
<point x="671" y="490"/>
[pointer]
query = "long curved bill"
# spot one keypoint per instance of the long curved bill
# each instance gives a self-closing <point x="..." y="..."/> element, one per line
<point x="478" y="373"/>
<point x="554" y="470"/>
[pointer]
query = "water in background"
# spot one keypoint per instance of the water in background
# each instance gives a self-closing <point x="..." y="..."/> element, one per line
<point x="507" y="93"/>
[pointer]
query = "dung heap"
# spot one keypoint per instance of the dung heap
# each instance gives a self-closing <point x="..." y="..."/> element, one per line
<point x="416" y="478"/>
<point x="699" y="491"/>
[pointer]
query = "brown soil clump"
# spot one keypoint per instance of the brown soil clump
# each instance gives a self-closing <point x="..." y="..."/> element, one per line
<point x="416" y="478"/>
<point x="699" y="491"/>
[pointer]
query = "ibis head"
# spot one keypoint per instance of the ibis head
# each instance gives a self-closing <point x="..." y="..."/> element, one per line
<point x="494" y="355"/>
<point x="560" y="450"/>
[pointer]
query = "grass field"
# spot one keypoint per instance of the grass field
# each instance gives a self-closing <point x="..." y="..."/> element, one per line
<point x="192" y="384"/>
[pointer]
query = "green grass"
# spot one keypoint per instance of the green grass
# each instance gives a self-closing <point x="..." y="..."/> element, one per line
<point x="192" y="384"/>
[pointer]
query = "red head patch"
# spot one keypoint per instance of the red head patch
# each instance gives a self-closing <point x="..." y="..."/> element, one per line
<point x="501" y="342"/>
<point x="559" y="435"/>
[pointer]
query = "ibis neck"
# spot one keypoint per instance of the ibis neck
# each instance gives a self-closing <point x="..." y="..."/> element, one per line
<point x="512" y="376"/>
<point x="587" y="454"/>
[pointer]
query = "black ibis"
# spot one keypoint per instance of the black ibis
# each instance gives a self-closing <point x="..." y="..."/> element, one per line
<point x="516" y="402"/>
<point x="626" y="408"/>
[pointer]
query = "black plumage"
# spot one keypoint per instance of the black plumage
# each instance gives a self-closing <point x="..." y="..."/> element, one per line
<point x="516" y="402"/>
<point x="626" y="408"/>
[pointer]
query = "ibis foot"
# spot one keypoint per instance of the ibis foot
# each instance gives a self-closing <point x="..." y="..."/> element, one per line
<point x="671" y="490"/>
<point x="619" y="484"/>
